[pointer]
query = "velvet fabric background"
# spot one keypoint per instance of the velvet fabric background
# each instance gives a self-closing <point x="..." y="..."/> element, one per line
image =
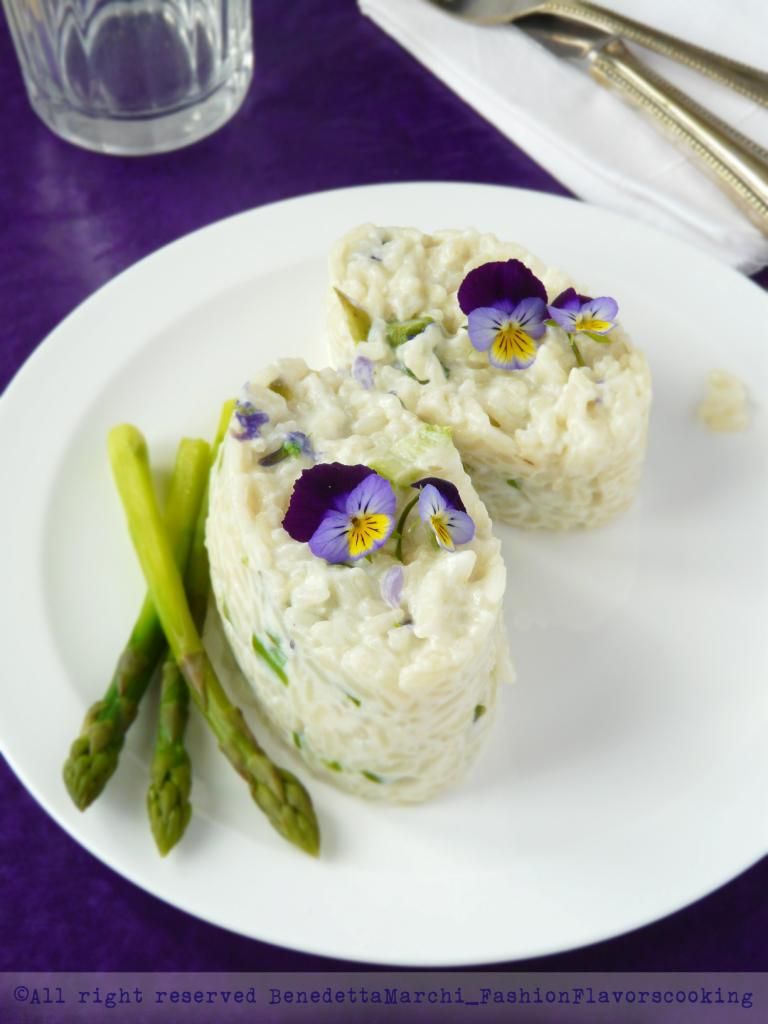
<point x="333" y="103"/>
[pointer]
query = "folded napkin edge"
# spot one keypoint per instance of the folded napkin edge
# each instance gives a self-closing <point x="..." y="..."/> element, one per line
<point x="747" y="248"/>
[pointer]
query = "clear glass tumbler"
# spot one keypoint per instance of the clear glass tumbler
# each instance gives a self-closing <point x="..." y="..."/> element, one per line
<point x="133" y="76"/>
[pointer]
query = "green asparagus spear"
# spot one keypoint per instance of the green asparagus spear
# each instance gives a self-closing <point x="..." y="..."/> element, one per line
<point x="94" y="754"/>
<point x="168" y="802"/>
<point x="198" y="580"/>
<point x="277" y="792"/>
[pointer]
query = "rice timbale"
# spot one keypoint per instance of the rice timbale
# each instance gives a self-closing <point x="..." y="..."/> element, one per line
<point x="555" y="445"/>
<point x="381" y="673"/>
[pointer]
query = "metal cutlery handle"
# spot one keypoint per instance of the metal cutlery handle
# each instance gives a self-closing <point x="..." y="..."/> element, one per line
<point x="747" y="80"/>
<point x="737" y="165"/>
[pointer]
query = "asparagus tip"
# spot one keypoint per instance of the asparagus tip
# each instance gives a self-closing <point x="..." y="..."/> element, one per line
<point x="88" y="769"/>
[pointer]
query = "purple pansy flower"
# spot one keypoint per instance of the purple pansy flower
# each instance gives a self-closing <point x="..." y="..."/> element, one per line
<point x="315" y="492"/>
<point x="506" y="307"/>
<point x="343" y="512"/>
<point x="576" y="313"/>
<point x="392" y="586"/>
<point x="362" y="371"/>
<point x="295" y="444"/>
<point x="441" y="508"/>
<point x="251" y="420"/>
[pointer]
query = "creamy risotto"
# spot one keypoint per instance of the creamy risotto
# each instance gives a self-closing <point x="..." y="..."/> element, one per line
<point x="382" y="672"/>
<point x="556" y="445"/>
<point x="725" y="409"/>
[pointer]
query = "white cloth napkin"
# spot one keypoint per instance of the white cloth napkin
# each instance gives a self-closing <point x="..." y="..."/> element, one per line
<point x="588" y="138"/>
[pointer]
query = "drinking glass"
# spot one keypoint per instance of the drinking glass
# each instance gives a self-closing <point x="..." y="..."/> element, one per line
<point x="133" y="76"/>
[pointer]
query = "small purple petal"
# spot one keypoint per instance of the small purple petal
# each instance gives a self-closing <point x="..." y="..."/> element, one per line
<point x="601" y="308"/>
<point x="329" y="541"/>
<point x="362" y="371"/>
<point x="460" y="526"/>
<point x="483" y="324"/>
<point x="316" y="491"/>
<point x="251" y="421"/>
<point x="488" y="284"/>
<point x="431" y="502"/>
<point x="299" y="444"/>
<point x="373" y="496"/>
<point x="530" y="314"/>
<point x="569" y="299"/>
<point x="449" y="491"/>
<point x="392" y="586"/>
<point x="566" y="318"/>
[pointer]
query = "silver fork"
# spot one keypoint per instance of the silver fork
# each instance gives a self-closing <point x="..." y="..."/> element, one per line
<point x="737" y="164"/>
<point x="748" y="81"/>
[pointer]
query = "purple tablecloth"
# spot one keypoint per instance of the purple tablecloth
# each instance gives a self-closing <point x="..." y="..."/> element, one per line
<point x="333" y="103"/>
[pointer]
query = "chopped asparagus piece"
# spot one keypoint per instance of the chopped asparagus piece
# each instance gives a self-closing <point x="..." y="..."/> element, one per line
<point x="358" y="321"/>
<point x="400" y="331"/>
<point x="273" y="657"/>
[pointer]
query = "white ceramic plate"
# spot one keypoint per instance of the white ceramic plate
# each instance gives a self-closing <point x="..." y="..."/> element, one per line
<point x="626" y="775"/>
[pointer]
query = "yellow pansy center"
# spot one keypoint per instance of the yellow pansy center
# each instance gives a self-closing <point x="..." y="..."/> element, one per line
<point x="512" y="343"/>
<point x="586" y="323"/>
<point x="364" y="531"/>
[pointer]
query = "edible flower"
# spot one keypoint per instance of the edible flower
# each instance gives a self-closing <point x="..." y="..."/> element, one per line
<point x="392" y="586"/>
<point x="362" y="371"/>
<point x="580" y="314"/>
<point x="506" y="307"/>
<point x="251" y="421"/>
<point x="441" y="508"/>
<point x="343" y="512"/>
<point x="295" y="444"/>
